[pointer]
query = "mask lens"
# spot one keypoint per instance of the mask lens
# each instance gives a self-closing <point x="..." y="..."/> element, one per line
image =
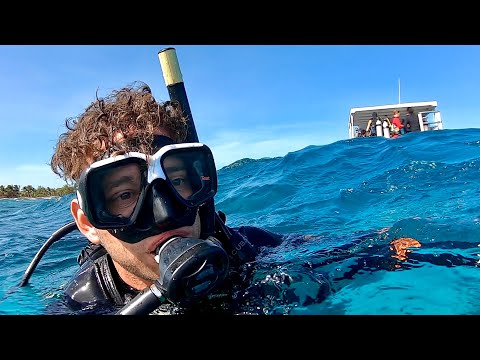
<point x="191" y="174"/>
<point x="116" y="189"/>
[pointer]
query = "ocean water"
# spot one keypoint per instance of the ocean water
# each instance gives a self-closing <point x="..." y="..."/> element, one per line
<point x="339" y="205"/>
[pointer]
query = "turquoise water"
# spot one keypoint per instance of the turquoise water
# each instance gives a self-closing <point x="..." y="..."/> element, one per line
<point x="424" y="185"/>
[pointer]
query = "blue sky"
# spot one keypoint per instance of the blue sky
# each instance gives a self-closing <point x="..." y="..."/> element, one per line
<point x="246" y="100"/>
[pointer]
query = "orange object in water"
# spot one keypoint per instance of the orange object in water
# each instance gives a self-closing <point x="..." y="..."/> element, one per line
<point x="400" y="247"/>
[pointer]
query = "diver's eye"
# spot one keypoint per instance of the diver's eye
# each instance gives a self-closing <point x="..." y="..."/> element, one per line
<point x="123" y="202"/>
<point x="125" y="196"/>
<point x="178" y="181"/>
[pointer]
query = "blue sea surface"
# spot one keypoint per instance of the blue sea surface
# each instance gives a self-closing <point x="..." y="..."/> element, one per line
<point x="348" y="200"/>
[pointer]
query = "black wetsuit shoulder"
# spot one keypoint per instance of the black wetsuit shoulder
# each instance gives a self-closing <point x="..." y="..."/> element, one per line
<point x="96" y="284"/>
<point x="243" y="243"/>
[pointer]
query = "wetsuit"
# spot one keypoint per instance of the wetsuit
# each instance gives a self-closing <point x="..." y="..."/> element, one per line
<point x="97" y="287"/>
<point x="410" y="123"/>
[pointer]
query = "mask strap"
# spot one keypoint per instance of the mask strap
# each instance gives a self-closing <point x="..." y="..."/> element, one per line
<point x="160" y="141"/>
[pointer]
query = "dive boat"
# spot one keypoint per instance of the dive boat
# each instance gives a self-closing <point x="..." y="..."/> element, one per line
<point x="429" y="118"/>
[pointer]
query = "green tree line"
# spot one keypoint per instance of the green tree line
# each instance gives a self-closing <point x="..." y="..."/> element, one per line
<point x="15" y="191"/>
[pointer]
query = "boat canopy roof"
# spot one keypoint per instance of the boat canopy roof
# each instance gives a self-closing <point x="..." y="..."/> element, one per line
<point x="360" y="116"/>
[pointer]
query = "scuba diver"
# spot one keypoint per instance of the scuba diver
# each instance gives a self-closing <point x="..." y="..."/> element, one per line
<point x="157" y="245"/>
<point x="145" y="203"/>
<point x="144" y="200"/>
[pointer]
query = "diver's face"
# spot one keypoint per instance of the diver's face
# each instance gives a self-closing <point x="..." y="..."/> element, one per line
<point x="135" y="263"/>
<point x="122" y="188"/>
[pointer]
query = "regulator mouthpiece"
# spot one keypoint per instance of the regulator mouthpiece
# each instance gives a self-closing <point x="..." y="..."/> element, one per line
<point x="190" y="268"/>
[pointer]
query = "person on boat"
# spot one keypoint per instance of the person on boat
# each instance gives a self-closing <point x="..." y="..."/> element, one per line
<point x="410" y="123"/>
<point x="397" y="125"/>
<point x="371" y="125"/>
<point x="387" y="127"/>
<point x="145" y="203"/>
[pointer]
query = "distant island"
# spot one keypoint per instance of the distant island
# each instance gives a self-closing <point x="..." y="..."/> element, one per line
<point x="15" y="191"/>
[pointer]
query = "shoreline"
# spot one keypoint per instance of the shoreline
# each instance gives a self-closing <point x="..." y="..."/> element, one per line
<point x="30" y="198"/>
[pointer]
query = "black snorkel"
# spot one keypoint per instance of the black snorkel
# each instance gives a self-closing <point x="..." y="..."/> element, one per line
<point x="189" y="268"/>
<point x="176" y="90"/>
<point x="176" y="87"/>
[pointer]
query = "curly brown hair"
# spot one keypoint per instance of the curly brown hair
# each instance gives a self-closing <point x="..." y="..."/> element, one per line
<point x="125" y="120"/>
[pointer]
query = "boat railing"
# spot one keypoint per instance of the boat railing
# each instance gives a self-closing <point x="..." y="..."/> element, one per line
<point x="430" y="120"/>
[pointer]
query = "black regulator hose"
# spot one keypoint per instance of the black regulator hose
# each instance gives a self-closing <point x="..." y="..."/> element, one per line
<point x="57" y="235"/>
<point x="144" y="303"/>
